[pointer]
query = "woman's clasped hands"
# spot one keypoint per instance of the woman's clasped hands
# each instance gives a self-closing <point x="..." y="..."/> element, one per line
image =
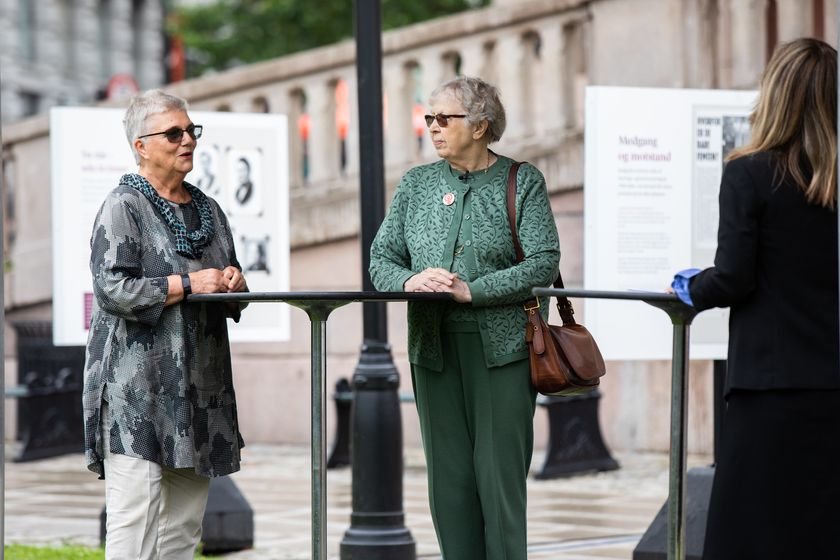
<point x="439" y="280"/>
<point x="213" y="280"/>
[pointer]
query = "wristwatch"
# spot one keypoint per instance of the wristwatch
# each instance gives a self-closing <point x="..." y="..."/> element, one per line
<point x="185" y="280"/>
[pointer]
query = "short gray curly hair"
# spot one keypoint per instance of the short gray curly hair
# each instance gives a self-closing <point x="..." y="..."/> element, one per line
<point x="481" y="101"/>
<point x="141" y="107"/>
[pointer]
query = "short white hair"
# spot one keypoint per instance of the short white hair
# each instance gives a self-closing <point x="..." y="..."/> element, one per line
<point x="141" y="107"/>
<point x="480" y="100"/>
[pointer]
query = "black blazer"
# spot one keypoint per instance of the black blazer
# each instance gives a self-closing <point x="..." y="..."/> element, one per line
<point x="776" y="268"/>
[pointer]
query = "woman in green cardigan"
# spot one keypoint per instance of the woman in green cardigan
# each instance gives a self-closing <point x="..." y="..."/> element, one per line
<point x="447" y="231"/>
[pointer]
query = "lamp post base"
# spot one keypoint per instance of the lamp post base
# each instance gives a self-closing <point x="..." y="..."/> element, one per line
<point x="377" y="526"/>
<point x="378" y="543"/>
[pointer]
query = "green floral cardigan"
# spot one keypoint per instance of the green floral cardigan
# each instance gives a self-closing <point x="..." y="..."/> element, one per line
<point x="470" y="236"/>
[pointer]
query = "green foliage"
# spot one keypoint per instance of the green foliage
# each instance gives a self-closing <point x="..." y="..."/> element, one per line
<point x="69" y="552"/>
<point x="231" y="32"/>
<point x="66" y="552"/>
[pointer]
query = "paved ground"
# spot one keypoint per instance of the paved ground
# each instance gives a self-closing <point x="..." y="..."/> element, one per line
<point x="590" y="517"/>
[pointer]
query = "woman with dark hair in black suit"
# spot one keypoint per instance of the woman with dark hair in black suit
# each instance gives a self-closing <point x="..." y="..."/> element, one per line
<point x="776" y="493"/>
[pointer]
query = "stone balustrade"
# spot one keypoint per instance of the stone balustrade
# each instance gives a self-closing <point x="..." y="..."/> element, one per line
<point x="534" y="52"/>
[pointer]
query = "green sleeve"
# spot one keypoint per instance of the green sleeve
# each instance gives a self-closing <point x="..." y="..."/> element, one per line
<point x="390" y="261"/>
<point x="540" y="244"/>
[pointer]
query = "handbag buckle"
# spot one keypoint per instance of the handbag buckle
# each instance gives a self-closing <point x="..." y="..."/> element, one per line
<point x="533" y="307"/>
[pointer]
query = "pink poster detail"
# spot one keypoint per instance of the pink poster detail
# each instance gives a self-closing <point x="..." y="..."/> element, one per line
<point x="88" y="309"/>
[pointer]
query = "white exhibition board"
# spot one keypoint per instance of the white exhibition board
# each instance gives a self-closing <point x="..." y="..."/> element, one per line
<point x="654" y="159"/>
<point x="241" y="161"/>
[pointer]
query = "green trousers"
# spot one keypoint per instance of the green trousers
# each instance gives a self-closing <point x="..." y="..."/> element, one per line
<point x="477" y="426"/>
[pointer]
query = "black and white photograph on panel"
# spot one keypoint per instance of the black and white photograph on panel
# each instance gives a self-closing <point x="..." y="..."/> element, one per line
<point x="256" y="253"/>
<point x="206" y="170"/>
<point x="736" y="133"/>
<point x="245" y="186"/>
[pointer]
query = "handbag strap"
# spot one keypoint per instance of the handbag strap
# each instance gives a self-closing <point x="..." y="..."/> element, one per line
<point x="564" y="306"/>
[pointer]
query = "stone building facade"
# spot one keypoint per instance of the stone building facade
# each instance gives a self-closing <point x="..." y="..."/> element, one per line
<point x="65" y="52"/>
<point x="542" y="53"/>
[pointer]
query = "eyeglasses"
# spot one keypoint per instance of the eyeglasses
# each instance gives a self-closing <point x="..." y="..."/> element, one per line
<point x="442" y="119"/>
<point x="175" y="134"/>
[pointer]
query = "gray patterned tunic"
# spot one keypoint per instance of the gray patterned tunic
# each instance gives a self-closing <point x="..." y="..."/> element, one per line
<point x="164" y="371"/>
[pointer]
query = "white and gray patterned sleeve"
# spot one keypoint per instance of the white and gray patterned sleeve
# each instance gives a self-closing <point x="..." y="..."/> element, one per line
<point x="120" y="284"/>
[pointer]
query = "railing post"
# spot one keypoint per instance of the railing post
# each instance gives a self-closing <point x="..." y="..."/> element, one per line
<point x="679" y="414"/>
<point x="318" y="426"/>
<point x="681" y="316"/>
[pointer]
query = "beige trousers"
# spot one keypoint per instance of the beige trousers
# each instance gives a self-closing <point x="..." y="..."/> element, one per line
<point x="153" y="512"/>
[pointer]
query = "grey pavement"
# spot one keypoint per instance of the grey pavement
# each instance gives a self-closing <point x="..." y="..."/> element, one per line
<point x="588" y="517"/>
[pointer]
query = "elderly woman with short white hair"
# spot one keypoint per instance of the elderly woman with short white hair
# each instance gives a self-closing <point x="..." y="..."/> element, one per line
<point x="447" y="231"/>
<point x="159" y="405"/>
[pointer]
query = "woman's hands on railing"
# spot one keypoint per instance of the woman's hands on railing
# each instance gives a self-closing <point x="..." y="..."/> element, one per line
<point x="439" y="280"/>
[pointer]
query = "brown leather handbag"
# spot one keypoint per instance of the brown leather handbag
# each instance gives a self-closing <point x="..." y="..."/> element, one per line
<point x="565" y="360"/>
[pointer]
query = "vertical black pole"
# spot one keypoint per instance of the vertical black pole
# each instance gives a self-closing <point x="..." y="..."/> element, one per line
<point x="377" y="525"/>
<point x="371" y="152"/>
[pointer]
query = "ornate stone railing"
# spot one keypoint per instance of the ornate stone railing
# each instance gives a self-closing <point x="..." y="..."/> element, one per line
<point x="534" y="51"/>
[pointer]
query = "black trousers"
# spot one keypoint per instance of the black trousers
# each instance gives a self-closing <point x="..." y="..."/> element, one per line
<point x="776" y="493"/>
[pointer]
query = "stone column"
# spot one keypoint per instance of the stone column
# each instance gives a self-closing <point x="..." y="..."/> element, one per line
<point x="492" y="72"/>
<point x="294" y="109"/>
<point x="88" y="46"/>
<point x="323" y="136"/>
<point x="434" y="71"/>
<point x="577" y="73"/>
<point x="748" y="39"/>
<point x="511" y="56"/>
<point x="399" y="144"/>
<point x="352" y="145"/>
<point x="795" y="19"/>
<point x="830" y="22"/>
<point x="278" y="100"/>
<point x="474" y="58"/>
<point x="699" y="42"/>
<point x="151" y="72"/>
<point x="549" y="110"/>
<point x="121" y="37"/>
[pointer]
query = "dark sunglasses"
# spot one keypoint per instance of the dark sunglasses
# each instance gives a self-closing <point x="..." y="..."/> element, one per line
<point x="175" y="134"/>
<point x="442" y="119"/>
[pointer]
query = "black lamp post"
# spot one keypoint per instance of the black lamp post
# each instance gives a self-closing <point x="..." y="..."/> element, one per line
<point x="377" y="525"/>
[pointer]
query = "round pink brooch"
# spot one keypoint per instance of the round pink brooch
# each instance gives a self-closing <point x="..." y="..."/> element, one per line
<point x="448" y="199"/>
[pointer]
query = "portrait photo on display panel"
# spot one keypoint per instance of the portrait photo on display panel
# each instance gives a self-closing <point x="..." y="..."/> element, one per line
<point x="245" y="185"/>
<point x="205" y="173"/>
